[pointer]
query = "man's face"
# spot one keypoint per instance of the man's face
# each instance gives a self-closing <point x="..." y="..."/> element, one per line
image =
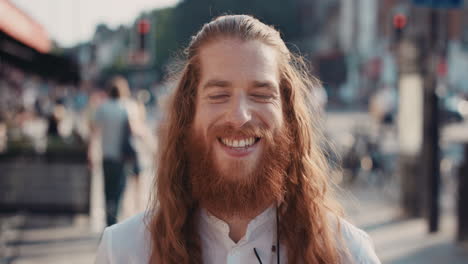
<point x="238" y="97"/>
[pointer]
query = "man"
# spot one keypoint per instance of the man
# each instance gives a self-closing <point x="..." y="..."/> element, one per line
<point x="111" y="125"/>
<point x="241" y="176"/>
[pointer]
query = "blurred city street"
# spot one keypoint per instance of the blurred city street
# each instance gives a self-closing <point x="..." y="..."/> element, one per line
<point x="83" y="92"/>
<point x="402" y="241"/>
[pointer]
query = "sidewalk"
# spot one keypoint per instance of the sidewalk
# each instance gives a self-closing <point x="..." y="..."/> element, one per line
<point x="403" y="241"/>
<point x="60" y="239"/>
<point x="35" y="239"/>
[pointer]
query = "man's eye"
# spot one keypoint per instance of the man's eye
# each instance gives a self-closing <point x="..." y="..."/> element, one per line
<point x="218" y="96"/>
<point x="262" y="96"/>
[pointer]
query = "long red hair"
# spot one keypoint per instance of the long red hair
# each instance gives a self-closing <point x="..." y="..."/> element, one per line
<point x="307" y="208"/>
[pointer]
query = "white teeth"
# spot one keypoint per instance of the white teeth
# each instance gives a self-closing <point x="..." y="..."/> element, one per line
<point x="242" y="143"/>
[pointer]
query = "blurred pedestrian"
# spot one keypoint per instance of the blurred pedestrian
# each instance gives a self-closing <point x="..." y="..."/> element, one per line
<point x="144" y="145"/>
<point x="382" y="108"/>
<point x="55" y="118"/>
<point x="241" y="174"/>
<point x="111" y="127"/>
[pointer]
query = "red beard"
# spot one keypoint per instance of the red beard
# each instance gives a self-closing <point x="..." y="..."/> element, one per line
<point x="244" y="196"/>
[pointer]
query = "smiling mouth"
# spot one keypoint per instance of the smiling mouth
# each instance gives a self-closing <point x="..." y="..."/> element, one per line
<point x="239" y="143"/>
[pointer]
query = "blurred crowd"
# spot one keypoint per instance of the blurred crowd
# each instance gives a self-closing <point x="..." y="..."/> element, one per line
<point x="35" y="112"/>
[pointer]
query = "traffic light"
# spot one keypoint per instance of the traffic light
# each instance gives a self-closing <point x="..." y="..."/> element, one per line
<point x="399" y="23"/>
<point x="143" y="28"/>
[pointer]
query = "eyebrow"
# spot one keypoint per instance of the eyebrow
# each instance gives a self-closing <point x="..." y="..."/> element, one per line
<point x="216" y="83"/>
<point x="223" y="84"/>
<point x="267" y="84"/>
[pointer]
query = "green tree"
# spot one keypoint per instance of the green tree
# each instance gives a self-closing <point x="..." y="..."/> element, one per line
<point x="165" y="33"/>
<point x="175" y="26"/>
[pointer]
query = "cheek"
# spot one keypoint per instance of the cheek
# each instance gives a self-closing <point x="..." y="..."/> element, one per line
<point x="280" y="116"/>
<point x="199" y="119"/>
<point x="197" y="128"/>
<point x="273" y="116"/>
<point x="207" y="115"/>
<point x="203" y="119"/>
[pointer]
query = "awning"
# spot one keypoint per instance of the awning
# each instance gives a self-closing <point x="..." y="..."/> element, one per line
<point x="25" y="44"/>
<point x="20" y="26"/>
<point x="49" y="66"/>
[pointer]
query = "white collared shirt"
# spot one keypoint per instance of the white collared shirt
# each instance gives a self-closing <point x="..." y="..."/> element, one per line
<point x="128" y="242"/>
<point x="260" y="234"/>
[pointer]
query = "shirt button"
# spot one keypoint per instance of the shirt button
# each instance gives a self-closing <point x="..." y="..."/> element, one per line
<point x="232" y="258"/>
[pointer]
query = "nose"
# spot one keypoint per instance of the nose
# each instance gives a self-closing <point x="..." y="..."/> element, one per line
<point x="239" y="112"/>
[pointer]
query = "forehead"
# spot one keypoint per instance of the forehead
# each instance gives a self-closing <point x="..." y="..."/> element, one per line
<point x="236" y="60"/>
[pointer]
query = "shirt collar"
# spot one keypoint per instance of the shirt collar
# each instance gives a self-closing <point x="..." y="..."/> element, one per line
<point x="217" y="226"/>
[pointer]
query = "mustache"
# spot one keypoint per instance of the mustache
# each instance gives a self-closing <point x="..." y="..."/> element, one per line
<point x="249" y="129"/>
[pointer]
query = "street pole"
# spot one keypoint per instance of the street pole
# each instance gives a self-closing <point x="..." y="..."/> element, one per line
<point x="430" y="152"/>
<point x="410" y="120"/>
<point x="462" y="232"/>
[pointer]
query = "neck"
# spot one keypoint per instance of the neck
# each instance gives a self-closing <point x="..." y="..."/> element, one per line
<point x="237" y="228"/>
<point x="238" y="224"/>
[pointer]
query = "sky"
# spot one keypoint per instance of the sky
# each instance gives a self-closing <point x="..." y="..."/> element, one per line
<point x="72" y="21"/>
